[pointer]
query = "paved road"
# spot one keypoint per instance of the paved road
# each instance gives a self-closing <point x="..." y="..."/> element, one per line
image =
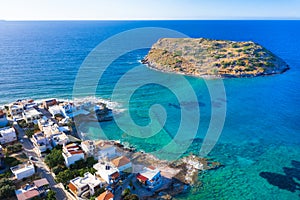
<point x="41" y="166"/>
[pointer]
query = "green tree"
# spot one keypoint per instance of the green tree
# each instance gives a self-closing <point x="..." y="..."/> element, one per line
<point x="7" y="188"/>
<point x="14" y="148"/>
<point x="11" y="161"/>
<point x="51" y="195"/>
<point x="55" y="158"/>
<point x="65" y="176"/>
<point x="36" y="127"/>
<point x="126" y="192"/>
<point x="29" y="133"/>
<point x="131" y="197"/>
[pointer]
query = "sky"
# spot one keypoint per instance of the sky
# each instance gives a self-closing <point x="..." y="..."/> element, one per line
<point x="148" y="9"/>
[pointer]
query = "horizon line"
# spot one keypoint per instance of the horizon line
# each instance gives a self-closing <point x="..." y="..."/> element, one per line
<point x="166" y="19"/>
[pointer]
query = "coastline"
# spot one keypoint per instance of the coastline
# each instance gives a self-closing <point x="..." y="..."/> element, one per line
<point x="210" y="76"/>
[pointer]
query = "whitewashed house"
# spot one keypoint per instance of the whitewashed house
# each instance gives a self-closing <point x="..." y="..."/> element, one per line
<point x="40" y="142"/>
<point x="122" y="163"/>
<point x="150" y="178"/>
<point x="7" y="135"/>
<point x="31" y="115"/>
<point x="23" y="170"/>
<point x="72" y="153"/>
<point x="105" y="150"/>
<point x="89" y="147"/>
<point x="107" y="172"/>
<point x="84" y="186"/>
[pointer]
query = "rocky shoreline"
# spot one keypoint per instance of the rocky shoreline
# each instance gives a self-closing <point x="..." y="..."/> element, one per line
<point x="179" y="175"/>
<point x="213" y="58"/>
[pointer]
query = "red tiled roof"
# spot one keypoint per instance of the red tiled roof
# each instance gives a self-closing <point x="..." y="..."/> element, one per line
<point x="141" y="178"/>
<point x="107" y="195"/>
<point x="28" y="195"/>
<point x="151" y="167"/>
<point x="121" y="161"/>
<point x="72" y="188"/>
<point x="76" y="152"/>
<point x="115" y="175"/>
<point x="41" y="182"/>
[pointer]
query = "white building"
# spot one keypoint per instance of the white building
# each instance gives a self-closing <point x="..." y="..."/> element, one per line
<point x="150" y="178"/>
<point x="40" y="142"/>
<point x="84" y="186"/>
<point x="105" y="150"/>
<point x="89" y="147"/>
<point x="122" y="164"/>
<point x="31" y="115"/>
<point x="7" y="135"/>
<point x="23" y="170"/>
<point x="72" y="153"/>
<point x="59" y="139"/>
<point x="107" y="172"/>
<point x="16" y="109"/>
<point x="55" y="110"/>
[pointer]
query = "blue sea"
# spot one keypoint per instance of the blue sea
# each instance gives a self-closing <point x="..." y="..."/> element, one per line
<point x="260" y="142"/>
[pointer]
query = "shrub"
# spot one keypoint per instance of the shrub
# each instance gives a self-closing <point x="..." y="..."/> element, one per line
<point x="29" y="133"/>
<point x="7" y="188"/>
<point x="51" y="195"/>
<point x="11" y="161"/>
<point x="131" y="197"/>
<point x="55" y="158"/>
<point x="14" y="148"/>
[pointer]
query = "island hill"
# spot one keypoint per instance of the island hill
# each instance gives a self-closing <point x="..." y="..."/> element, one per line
<point x="213" y="58"/>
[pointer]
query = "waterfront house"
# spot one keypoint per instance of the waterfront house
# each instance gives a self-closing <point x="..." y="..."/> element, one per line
<point x="72" y="153"/>
<point x="89" y="147"/>
<point x="105" y="150"/>
<point x="33" y="190"/>
<point x="16" y="109"/>
<point x="7" y="135"/>
<point x="3" y="119"/>
<point x="51" y="102"/>
<point x="107" y="172"/>
<point x="31" y="115"/>
<point x="84" y="186"/>
<point x="122" y="163"/>
<point x="23" y="170"/>
<point x="55" y="111"/>
<point x="107" y="195"/>
<point x="150" y="178"/>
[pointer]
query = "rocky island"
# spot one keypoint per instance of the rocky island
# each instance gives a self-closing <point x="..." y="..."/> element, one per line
<point x="213" y="58"/>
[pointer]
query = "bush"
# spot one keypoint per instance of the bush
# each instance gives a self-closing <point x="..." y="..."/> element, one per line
<point x="11" y="161"/>
<point x="58" y="169"/>
<point x="55" y="158"/>
<point x="29" y="133"/>
<point x="65" y="176"/>
<point x="14" y="148"/>
<point x="7" y="188"/>
<point x="51" y="195"/>
<point x="126" y="192"/>
<point x="131" y="197"/>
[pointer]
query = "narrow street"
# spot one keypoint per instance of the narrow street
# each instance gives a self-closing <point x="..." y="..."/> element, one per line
<point x="41" y="166"/>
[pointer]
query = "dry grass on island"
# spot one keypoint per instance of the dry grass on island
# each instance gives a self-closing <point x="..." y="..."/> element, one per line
<point x="214" y="58"/>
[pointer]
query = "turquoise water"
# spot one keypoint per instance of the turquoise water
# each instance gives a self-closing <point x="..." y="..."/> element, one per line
<point x="260" y="142"/>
